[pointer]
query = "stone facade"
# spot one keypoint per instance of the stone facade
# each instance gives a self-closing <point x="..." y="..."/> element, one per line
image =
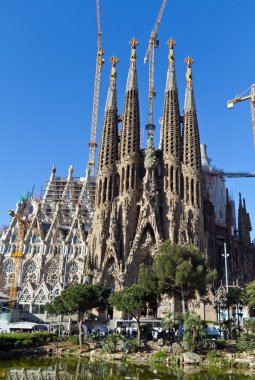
<point x="102" y="229"/>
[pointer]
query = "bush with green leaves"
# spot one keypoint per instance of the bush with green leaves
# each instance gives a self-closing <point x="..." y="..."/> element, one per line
<point x="194" y="330"/>
<point x="249" y="325"/>
<point x="246" y="342"/>
<point x="160" y="356"/>
<point x="132" y="345"/>
<point x="111" y="341"/>
<point x="25" y="340"/>
<point x="213" y="357"/>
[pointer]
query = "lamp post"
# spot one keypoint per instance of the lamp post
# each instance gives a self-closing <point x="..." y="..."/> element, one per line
<point x="225" y="255"/>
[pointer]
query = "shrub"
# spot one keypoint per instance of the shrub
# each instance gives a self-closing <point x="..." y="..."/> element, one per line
<point x="11" y="341"/>
<point x="221" y="343"/>
<point x="111" y="341"/>
<point x="131" y="345"/>
<point x="213" y="356"/>
<point x="74" y="339"/>
<point x="160" y="356"/>
<point x="246" y="342"/>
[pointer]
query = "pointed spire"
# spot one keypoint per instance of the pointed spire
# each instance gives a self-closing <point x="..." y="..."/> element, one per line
<point x="53" y="172"/>
<point x="171" y="128"/>
<point x="132" y="74"/>
<point x="240" y="200"/>
<point x="70" y="172"/>
<point x="189" y="103"/>
<point x="109" y="138"/>
<point x="111" y="103"/>
<point x="171" y="78"/>
<point x="191" y="140"/>
<point x="130" y="137"/>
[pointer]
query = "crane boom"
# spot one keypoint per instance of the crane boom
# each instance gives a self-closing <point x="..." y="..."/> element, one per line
<point x="18" y="254"/>
<point x="232" y="174"/>
<point x="150" y="54"/>
<point x="238" y="99"/>
<point x="99" y="65"/>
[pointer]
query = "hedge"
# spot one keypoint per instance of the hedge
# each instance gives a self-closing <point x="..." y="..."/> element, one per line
<point x="25" y="340"/>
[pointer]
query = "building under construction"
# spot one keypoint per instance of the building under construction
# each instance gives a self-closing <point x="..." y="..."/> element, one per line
<point x="102" y="228"/>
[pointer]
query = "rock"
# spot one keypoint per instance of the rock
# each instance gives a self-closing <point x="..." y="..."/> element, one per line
<point x="160" y="342"/>
<point x="191" y="358"/>
<point x="176" y="348"/>
<point x="96" y="352"/>
<point x="82" y="351"/>
<point x="117" y="357"/>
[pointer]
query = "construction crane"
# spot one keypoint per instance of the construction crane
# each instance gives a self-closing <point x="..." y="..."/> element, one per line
<point x="153" y="42"/>
<point x="18" y="254"/>
<point x="232" y="174"/>
<point x="238" y="99"/>
<point x="99" y="65"/>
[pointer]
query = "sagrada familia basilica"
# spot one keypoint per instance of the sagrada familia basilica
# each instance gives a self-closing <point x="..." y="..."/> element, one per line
<point x="102" y="228"/>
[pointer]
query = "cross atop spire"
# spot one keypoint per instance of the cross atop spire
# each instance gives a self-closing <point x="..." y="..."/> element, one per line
<point x="111" y="102"/>
<point x="132" y="76"/>
<point x="189" y="62"/>
<point x="133" y="43"/>
<point x="114" y="60"/>
<point x="171" y="43"/>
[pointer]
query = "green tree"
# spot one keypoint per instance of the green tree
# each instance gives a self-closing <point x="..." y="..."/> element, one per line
<point x="171" y="322"/>
<point x="194" y="330"/>
<point x="132" y="301"/>
<point x="181" y="271"/>
<point x="250" y="295"/>
<point x="234" y="296"/>
<point x="80" y="299"/>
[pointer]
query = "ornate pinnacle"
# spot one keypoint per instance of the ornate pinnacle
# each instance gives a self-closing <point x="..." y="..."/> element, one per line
<point x="70" y="170"/>
<point x="114" y="60"/>
<point x="53" y="170"/>
<point x="133" y="43"/>
<point x="171" y="43"/>
<point x="189" y="62"/>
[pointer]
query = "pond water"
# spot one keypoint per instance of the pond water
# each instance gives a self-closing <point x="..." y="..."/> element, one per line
<point x="73" y="369"/>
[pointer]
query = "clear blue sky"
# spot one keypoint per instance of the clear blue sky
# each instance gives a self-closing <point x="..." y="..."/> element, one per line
<point x="47" y="65"/>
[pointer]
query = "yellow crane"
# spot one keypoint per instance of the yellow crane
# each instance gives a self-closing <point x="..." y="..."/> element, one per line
<point x="238" y="99"/>
<point x="153" y="42"/>
<point x="99" y="65"/>
<point x="18" y="254"/>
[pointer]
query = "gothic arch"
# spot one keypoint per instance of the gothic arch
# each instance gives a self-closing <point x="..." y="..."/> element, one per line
<point x="30" y="271"/>
<point x="148" y="233"/>
<point x="8" y="271"/>
<point x="72" y="273"/>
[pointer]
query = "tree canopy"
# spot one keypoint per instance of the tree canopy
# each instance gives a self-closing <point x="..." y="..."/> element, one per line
<point x="80" y="299"/>
<point x="131" y="301"/>
<point x="181" y="271"/>
<point x="250" y="295"/>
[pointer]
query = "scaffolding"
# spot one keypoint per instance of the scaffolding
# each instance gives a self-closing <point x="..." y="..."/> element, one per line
<point x="67" y="194"/>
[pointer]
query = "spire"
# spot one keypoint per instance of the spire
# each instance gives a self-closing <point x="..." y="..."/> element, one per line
<point x="171" y="78"/>
<point x="132" y="74"/>
<point x="130" y="137"/>
<point x="171" y="131"/>
<point x="109" y="137"/>
<point x="70" y="173"/>
<point x="191" y="140"/>
<point x="189" y="94"/>
<point x="111" y="102"/>
<point x="53" y="172"/>
<point x="150" y="154"/>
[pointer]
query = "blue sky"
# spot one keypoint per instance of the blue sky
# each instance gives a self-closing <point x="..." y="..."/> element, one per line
<point x="47" y="66"/>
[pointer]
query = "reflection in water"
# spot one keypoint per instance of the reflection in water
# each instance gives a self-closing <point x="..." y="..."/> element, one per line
<point x="72" y="369"/>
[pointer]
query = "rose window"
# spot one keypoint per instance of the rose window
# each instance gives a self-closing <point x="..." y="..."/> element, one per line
<point x="72" y="273"/>
<point x="9" y="267"/>
<point x="8" y="273"/>
<point x="30" y="271"/>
